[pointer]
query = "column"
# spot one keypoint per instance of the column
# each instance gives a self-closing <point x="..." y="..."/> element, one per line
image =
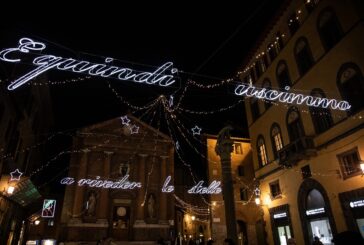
<point x="79" y="190"/>
<point x="140" y="196"/>
<point x="163" y="196"/>
<point x="224" y="147"/>
<point x="104" y="193"/>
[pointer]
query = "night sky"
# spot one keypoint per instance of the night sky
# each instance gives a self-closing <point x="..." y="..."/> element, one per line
<point x="206" y="42"/>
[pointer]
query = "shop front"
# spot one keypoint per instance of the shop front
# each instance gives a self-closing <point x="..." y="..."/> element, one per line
<point x="352" y="203"/>
<point x="315" y="213"/>
<point x="281" y="224"/>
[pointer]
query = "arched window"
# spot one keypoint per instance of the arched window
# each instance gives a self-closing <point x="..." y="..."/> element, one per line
<point x="276" y="136"/>
<point x="294" y="124"/>
<point x="272" y="53"/>
<point x="350" y="82"/>
<point x="267" y="85"/>
<point x="303" y="55"/>
<point x="282" y="74"/>
<point x="321" y="117"/>
<point x="254" y="107"/>
<point x="262" y="152"/>
<point x="329" y="28"/>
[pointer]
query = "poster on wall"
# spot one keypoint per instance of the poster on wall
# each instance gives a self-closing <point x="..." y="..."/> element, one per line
<point x="49" y="208"/>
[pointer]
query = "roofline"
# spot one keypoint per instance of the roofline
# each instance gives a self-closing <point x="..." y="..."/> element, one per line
<point x="212" y="136"/>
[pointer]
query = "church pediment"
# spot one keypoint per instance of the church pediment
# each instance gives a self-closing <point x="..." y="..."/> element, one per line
<point x="132" y="128"/>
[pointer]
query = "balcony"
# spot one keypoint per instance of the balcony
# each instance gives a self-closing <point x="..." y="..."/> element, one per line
<point x="300" y="149"/>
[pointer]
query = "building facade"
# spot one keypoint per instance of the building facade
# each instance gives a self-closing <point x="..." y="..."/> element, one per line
<point x="121" y="151"/>
<point x="249" y="216"/>
<point x="307" y="159"/>
<point x="26" y="119"/>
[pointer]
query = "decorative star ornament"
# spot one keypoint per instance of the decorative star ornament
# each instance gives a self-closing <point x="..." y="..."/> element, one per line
<point x="196" y="130"/>
<point x="134" y="129"/>
<point x="125" y="120"/>
<point x="15" y="175"/>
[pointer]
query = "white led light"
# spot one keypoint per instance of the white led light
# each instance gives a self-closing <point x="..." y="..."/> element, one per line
<point x="163" y="75"/>
<point x="290" y="98"/>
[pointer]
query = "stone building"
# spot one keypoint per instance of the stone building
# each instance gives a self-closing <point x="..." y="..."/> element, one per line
<point x="249" y="216"/>
<point x="118" y="150"/>
<point x="307" y="159"/>
<point x="26" y="119"/>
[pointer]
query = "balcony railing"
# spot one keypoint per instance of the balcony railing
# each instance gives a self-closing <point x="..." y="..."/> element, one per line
<point x="301" y="149"/>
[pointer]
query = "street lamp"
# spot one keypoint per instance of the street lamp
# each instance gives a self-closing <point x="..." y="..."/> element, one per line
<point x="10" y="189"/>
<point x="257" y="201"/>
<point x="37" y="222"/>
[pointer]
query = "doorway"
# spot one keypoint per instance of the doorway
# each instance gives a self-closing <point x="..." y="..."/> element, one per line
<point x="321" y="228"/>
<point x="284" y="233"/>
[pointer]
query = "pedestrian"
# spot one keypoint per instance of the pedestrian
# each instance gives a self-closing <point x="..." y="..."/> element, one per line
<point x="291" y="241"/>
<point x="348" y="237"/>
<point x="316" y="241"/>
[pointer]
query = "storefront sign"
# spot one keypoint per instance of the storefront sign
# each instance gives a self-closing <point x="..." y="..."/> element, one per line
<point x="357" y="204"/>
<point x="290" y="98"/>
<point x="280" y="215"/>
<point x="49" y="208"/>
<point x="163" y="75"/>
<point x="315" y="211"/>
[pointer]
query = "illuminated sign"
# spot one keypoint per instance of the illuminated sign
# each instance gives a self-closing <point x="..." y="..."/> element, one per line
<point x="124" y="183"/>
<point x="357" y="204"/>
<point x="49" y="208"/>
<point x="315" y="211"/>
<point x="280" y="215"/>
<point x="213" y="188"/>
<point x="290" y="98"/>
<point x="163" y="75"/>
<point x="108" y="184"/>
<point x="167" y="188"/>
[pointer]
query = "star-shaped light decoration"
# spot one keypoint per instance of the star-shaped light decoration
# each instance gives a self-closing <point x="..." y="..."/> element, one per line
<point x="196" y="130"/>
<point x="15" y="175"/>
<point x="125" y="120"/>
<point x="134" y="129"/>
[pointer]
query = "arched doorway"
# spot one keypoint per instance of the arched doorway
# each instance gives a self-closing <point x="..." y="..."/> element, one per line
<point x="315" y="212"/>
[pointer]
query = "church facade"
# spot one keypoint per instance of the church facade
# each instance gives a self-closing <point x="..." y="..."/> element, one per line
<point x="115" y="181"/>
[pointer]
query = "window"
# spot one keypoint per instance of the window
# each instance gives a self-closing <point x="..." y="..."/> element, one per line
<point x="321" y="117"/>
<point x="303" y="55"/>
<point x="262" y="153"/>
<point x="241" y="170"/>
<point x="282" y="74"/>
<point x="271" y="52"/>
<point x="238" y="149"/>
<point x="264" y="62"/>
<point x="258" y="68"/>
<point x="275" y="190"/>
<point x="277" y="142"/>
<point x="329" y="28"/>
<point x="124" y="169"/>
<point x="267" y="85"/>
<point x="294" y="124"/>
<point x="350" y="82"/>
<point x="252" y="76"/>
<point x="293" y="24"/>
<point x="306" y="172"/>
<point x="243" y="194"/>
<point x="254" y="105"/>
<point x="350" y="163"/>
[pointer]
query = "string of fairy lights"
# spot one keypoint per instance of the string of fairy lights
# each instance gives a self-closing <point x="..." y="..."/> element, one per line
<point x="176" y="128"/>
